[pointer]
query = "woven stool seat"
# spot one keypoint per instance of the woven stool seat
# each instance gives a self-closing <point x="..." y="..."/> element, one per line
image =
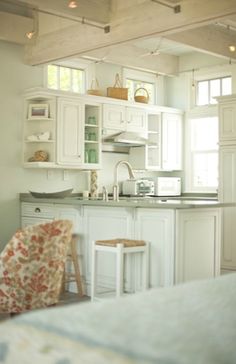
<point x="126" y="242"/>
<point x="121" y="247"/>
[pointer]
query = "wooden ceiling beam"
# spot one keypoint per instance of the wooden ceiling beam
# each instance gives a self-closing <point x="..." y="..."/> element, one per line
<point x="14" y="27"/>
<point x="94" y="10"/>
<point x="144" y="20"/>
<point x="210" y="39"/>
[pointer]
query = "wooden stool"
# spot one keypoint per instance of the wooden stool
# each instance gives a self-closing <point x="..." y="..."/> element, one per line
<point x="72" y="256"/>
<point x="120" y="247"/>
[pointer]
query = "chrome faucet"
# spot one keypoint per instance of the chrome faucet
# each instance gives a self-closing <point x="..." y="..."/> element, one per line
<point x="116" y="186"/>
<point x="104" y="193"/>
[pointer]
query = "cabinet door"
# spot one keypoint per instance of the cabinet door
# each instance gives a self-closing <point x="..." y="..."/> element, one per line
<point x="71" y="213"/>
<point x="227" y="193"/>
<point x="171" y="141"/>
<point x="228" y="251"/>
<point x="227" y="121"/>
<point x="70" y="132"/>
<point x="136" y="120"/>
<point x="227" y="180"/>
<point x="157" y="228"/>
<point x="114" y="117"/>
<point x="197" y="244"/>
<point x="105" y="223"/>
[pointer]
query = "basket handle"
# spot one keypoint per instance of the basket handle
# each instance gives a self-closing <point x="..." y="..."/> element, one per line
<point x="117" y="81"/>
<point x="94" y="84"/>
<point x="142" y="88"/>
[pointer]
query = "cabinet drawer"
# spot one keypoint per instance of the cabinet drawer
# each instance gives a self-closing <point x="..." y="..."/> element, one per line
<point x="38" y="210"/>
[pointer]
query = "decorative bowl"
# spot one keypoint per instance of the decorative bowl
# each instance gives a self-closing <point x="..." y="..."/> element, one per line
<point x="59" y="194"/>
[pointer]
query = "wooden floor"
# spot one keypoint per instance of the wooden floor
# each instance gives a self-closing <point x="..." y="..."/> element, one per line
<point x="66" y="298"/>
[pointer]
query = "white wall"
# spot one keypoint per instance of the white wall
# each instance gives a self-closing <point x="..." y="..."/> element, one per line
<point x="15" y="77"/>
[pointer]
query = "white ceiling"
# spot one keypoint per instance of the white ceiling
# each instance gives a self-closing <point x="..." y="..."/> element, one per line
<point x="206" y="26"/>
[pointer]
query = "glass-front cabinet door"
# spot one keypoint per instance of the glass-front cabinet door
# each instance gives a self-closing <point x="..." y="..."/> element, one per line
<point x="92" y="135"/>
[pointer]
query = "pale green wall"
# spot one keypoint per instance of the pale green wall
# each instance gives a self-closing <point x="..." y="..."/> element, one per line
<point x="15" y="77"/>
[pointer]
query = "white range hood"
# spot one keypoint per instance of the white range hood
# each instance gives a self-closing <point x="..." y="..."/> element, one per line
<point x="126" y="138"/>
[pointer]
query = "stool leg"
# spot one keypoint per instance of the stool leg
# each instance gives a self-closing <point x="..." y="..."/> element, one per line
<point x="119" y="270"/>
<point x="145" y="267"/>
<point x="93" y="270"/>
<point x="76" y="266"/>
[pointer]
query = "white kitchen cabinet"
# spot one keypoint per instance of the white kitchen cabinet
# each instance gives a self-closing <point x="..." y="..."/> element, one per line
<point x="39" y="129"/>
<point x="157" y="228"/>
<point x="163" y="150"/>
<point x="227" y="177"/>
<point x="198" y="238"/>
<point x="171" y="141"/>
<point x="124" y="118"/>
<point x="227" y="193"/>
<point x="105" y="223"/>
<point x="70" y="135"/>
<point x="79" y="134"/>
<point x="227" y="116"/>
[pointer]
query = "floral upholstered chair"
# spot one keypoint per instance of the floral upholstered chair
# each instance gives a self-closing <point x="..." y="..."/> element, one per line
<point x="32" y="266"/>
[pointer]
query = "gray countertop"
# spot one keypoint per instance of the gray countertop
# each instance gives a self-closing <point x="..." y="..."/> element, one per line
<point x="145" y="202"/>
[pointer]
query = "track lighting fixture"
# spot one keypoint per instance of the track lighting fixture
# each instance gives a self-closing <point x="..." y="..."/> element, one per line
<point x="72" y="4"/>
<point x="30" y="34"/>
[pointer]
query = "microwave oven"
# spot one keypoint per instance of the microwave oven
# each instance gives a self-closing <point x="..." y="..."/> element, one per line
<point x="167" y="186"/>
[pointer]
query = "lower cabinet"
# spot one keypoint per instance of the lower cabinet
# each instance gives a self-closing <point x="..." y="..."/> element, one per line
<point x="151" y="225"/>
<point x="105" y="223"/>
<point x="198" y="237"/>
<point x="184" y="244"/>
<point x="228" y="252"/>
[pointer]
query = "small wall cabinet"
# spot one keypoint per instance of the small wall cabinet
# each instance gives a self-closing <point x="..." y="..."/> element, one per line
<point x="124" y="118"/>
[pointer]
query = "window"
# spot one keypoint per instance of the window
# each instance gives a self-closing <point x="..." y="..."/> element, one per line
<point x="203" y="158"/>
<point x="133" y="85"/>
<point x="208" y="89"/>
<point x="65" y="78"/>
<point x="134" y="79"/>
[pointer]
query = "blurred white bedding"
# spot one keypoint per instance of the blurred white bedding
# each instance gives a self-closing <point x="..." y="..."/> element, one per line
<point x="187" y="324"/>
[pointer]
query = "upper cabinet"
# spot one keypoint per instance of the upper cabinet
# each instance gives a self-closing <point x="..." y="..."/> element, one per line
<point x="64" y="131"/>
<point x="70" y="132"/>
<point x="163" y="150"/>
<point x="227" y="119"/>
<point x="124" y="118"/>
<point x="61" y="132"/>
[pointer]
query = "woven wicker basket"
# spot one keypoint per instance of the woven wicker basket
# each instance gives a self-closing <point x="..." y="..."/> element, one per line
<point x="117" y="91"/>
<point x="94" y="90"/>
<point x="141" y="98"/>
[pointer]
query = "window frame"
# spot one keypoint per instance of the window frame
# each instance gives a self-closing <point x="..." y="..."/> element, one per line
<point x="189" y="173"/>
<point x="208" y="80"/>
<point x="84" y="65"/>
<point x="141" y="76"/>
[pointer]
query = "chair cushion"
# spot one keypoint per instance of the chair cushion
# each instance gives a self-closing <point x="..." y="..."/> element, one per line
<point x="32" y="266"/>
<point x="126" y="242"/>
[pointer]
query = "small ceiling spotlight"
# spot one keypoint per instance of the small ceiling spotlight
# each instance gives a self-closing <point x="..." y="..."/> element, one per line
<point x="30" y="34"/>
<point x="72" y="4"/>
<point x="232" y="48"/>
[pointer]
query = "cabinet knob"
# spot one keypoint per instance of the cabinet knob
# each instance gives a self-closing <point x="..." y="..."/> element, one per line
<point x="37" y="209"/>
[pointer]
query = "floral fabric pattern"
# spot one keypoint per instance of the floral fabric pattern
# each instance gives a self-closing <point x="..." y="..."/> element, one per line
<point x="32" y="266"/>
